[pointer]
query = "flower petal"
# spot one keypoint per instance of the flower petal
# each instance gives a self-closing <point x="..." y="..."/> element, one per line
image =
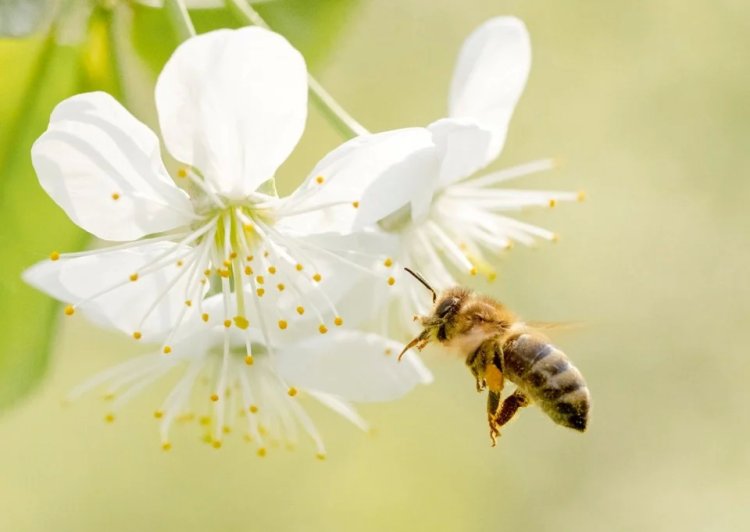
<point x="104" y="168"/>
<point x="233" y="104"/>
<point x="354" y="365"/>
<point x="120" y="303"/>
<point x="490" y="76"/>
<point x="462" y="146"/>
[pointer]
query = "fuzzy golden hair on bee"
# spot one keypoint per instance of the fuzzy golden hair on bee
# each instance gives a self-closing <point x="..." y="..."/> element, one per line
<point x="496" y="347"/>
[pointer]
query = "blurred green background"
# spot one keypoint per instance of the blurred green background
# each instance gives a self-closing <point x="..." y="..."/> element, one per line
<point x="647" y="102"/>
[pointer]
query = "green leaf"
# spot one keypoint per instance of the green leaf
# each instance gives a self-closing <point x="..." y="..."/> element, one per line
<point x="19" y="18"/>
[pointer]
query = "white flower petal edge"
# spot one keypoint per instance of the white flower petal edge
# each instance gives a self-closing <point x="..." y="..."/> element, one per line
<point x="233" y="103"/>
<point x="104" y="168"/>
<point x="490" y="76"/>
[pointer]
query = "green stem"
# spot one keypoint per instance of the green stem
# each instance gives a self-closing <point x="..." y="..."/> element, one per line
<point x="180" y="18"/>
<point x="336" y="115"/>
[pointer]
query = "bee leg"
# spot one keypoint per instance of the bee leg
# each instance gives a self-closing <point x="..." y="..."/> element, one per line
<point x="476" y="364"/>
<point x="510" y="406"/>
<point x="493" y="405"/>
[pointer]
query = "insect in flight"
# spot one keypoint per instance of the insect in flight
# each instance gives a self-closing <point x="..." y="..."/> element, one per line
<point x="498" y="346"/>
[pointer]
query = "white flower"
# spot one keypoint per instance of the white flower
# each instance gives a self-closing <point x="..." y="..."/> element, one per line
<point x="259" y="394"/>
<point x="232" y="105"/>
<point x="442" y="218"/>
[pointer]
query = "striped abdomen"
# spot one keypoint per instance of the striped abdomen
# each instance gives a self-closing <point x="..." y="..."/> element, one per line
<point x="546" y="375"/>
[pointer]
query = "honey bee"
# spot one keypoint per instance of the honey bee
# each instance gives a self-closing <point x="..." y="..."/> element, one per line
<point x="497" y="346"/>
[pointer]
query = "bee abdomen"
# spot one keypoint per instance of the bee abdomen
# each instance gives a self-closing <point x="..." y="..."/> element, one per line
<point x="548" y="377"/>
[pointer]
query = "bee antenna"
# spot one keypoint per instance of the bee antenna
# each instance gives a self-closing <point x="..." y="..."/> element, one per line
<point x="425" y="283"/>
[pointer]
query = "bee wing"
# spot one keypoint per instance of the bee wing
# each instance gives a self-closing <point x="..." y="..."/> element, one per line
<point x="555" y="325"/>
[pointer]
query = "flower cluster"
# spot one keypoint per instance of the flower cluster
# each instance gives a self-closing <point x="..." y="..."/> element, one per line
<point x="250" y="296"/>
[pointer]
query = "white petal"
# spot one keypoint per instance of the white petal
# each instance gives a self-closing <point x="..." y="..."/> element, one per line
<point x="490" y="76"/>
<point x="357" y="366"/>
<point x="383" y="172"/>
<point x="94" y="151"/>
<point x="76" y="279"/>
<point x="233" y="103"/>
<point x="462" y="146"/>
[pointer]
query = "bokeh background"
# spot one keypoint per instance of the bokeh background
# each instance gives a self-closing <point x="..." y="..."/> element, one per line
<point x="647" y="104"/>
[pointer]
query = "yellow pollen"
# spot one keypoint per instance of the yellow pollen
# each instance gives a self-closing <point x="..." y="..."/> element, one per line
<point x="227" y="323"/>
<point x="179" y="263"/>
<point x="226" y="429"/>
<point x="182" y="172"/>
<point x="216" y="444"/>
<point x="473" y="271"/>
<point x="166" y="350"/>
<point x="552" y="202"/>
<point x="388" y="351"/>
<point x="227" y="263"/>
<point x="207" y="272"/>
<point x="248" y="227"/>
<point x="581" y="196"/>
<point x="388" y="263"/>
<point x="109" y="418"/>
<point x="232" y="255"/>
<point x="134" y="277"/>
<point x="158" y="414"/>
<point x="339" y="321"/>
<point x="323" y="329"/>
<point x="241" y="322"/>
<point x="282" y="324"/>
<point x="249" y="360"/>
<point x="292" y="391"/>
<point x="253" y="409"/>
<point x="214" y="397"/>
<point x="248" y="270"/>
<point x="55" y="255"/>
<point x="281" y="287"/>
<point x="224" y="273"/>
<point x="272" y="270"/>
<point x="260" y="292"/>
<point x="317" y="277"/>
<point x="391" y="281"/>
<point x="320" y="456"/>
<point x="555" y="237"/>
<point x="137" y="335"/>
<point x="207" y="438"/>
<point x="261" y="452"/>
<point x="300" y="310"/>
<point x="188" y="303"/>
<point x="492" y="276"/>
<point x="166" y="446"/>
<point x="115" y="196"/>
<point x="319" y="180"/>
<point x="265" y="253"/>
<point x="204" y="316"/>
<point x="202" y="281"/>
<point x="299" y="267"/>
<point x="259" y="279"/>
<point x="69" y="310"/>
<point x="355" y="204"/>
<point x="205" y="420"/>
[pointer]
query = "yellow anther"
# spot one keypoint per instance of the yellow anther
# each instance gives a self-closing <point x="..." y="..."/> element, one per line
<point x="260" y="292"/>
<point x="300" y="310"/>
<point x="280" y="287"/>
<point x="182" y="172"/>
<point x="355" y="204"/>
<point x="552" y="202"/>
<point x="226" y="429"/>
<point x="388" y="262"/>
<point x="227" y="323"/>
<point x="232" y="255"/>
<point x="109" y="418"/>
<point x="320" y="456"/>
<point x="133" y="277"/>
<point x="55" y="255"/>
<point x="205" y="420"/>
<point x="317" y="278"/>
<point x="249" y="360"/>
<point x="158" y="414"/>
<point x="265" y="253"/>
<point x="241" y="322"/>
<point x="216" y="444"/>
<point x="166" y="350"/>
<point x="249" y="258"/>
<point x="339" y="321"/>
<point x="492" y="276"/>
<point x="109" y="396"/>
<point x="115" y="196"/>
<point x="323" y="329"/>
<point x="204" y="316"/>
<point x="214" y="397"/>
<point x="188" y="303"/>
<point x="292" y="391"/>
<point x="253" y="409"/>
<point x="282" y="324"/>
<point x="319" y="180"/>
<point x="227" y="263"/>
<point x="272" y="270"/>
<point x="462" y="246"/>
<point x="248" y="270"/>
<point x="202" y="281"/>
<point x="137" y="335"/>
<point x="262" y="452"/>
<point x="224" y="273"/>
<point x="69" y="310"/>
<point x="555" y="237"/>
<point x="166" y="446"/>
<point x="259" y="279"/>
<point x="247" y="437"/>
<point x="391" y="281"/>
<point x="473" y="271"/>
<point x="207" y="438"/>
<point x="581" y="196"/>
<point x="179" y="263"/>
<point x="299" y="267"/>
<point x="248" y="227"/>
<point x="388" y="351"/>
<point x="207" y="272"/>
